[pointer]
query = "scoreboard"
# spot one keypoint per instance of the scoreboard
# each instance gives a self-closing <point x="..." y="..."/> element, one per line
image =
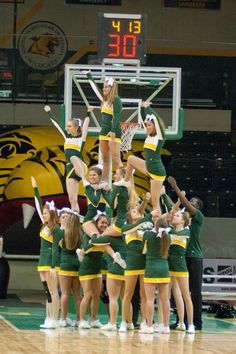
<point x="121" y="36"/>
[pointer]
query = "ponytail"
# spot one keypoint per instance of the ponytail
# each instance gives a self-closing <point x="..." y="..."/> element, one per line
<point x="165" y="243"/>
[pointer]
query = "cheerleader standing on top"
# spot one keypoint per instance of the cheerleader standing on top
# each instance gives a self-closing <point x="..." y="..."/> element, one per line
<point x="152" y="165"/>
<point x="110" y="134"/>
<point x="75" y="137"/>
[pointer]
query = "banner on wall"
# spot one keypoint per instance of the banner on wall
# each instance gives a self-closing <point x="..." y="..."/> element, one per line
<point x="223" y="266"/>
<point x="193" y="4"/>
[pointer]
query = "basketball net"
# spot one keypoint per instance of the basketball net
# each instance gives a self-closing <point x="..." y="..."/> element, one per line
<point x="128" y="130"/>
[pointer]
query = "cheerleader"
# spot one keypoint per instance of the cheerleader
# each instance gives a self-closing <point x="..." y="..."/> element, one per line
<point x="156" y="245"/>
<point x="69" y="266"/>
<point x="115" y="276"/>
<point x="180" y="235"/>
<point x="110" y="134"/>
<point x="91" y="276"/>
<point x="49" y="217"/>
<point x="135" y="265"/>
<point x="152" y="165"/>
<point x="75" y="136"/>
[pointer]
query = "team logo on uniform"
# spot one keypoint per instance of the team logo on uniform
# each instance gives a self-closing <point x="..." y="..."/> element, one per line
<point x="42" y="45"/>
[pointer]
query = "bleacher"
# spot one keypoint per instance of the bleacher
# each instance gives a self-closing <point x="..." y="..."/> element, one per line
<point x="204" y="164"/>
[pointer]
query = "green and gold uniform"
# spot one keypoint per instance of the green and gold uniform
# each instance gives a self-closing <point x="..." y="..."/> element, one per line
<point x="90" y="267"/>
<point x="69" y="264"/>
<point x="46" y="238"/>
<point x="152" y="147"/>
<point x="135" y="259"/>
<point x="157" y="267"/>
<point x="119" y="197"/>
<point x="177" y="251"/>
<point x="118" y="245"/>
<point x="110" y="114"/>
<point x="73" y="146"/>
<point x="95" y="202"/>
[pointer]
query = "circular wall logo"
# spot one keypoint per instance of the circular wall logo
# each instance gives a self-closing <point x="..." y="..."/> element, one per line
<point x="42" y="45"/>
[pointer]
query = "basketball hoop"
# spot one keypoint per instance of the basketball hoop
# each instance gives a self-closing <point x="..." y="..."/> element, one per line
<point x="128" y="130"/>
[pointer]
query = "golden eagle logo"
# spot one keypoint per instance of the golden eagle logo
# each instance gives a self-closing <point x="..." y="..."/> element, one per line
<point x="44" y="45"/>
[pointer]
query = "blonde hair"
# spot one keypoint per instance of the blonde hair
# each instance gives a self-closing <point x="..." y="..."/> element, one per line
<point x="76" y="124"/>
<point x="72" y="232"/>
<point x="161" y="222"/>
<point x="133" y="196"/>
<point x="53" y="220"/>
<point x="112" y="94"/>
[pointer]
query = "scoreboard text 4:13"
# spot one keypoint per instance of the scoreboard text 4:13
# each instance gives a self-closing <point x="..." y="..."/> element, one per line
<point x="121" y="36"/>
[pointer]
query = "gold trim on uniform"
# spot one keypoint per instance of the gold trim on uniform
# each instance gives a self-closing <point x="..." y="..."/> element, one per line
<point x="134" y="272"/>
<point x="115" y="276"/>
<point x="95" y="248"/>
<point x="43" y="268"/>
<point x="72" y="146"/>
<point x="117" y="228"/>
<point x="156" y="177"/>
<point x="57" y="269"/>
<point x="90" y="277"/>
<point x="156" y="280"/>
<point x="179" y="243"/>
<point x="106" y="109"/>
<point x="104" y="271"/>
<point x="70" y="173"/>
<point x="108" y="138"/>
<point x="68" y="273"/>
<point x="150" y="146"/>
<point x="133" y="238"/>
<point x="46" y="237"/>
<point x="178" y="274"/>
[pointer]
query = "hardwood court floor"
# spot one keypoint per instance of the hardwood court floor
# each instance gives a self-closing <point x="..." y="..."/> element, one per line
<point x="19" y="333"/>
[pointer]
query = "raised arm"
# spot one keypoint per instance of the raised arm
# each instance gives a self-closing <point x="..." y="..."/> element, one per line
<point x="145" y="110"/>
<point x="58" y="124"/>
<point x="93" y="84"/>
<point x="37" y="198"/>
<point x="143" y="205"/>
<point x="181" y="195"/>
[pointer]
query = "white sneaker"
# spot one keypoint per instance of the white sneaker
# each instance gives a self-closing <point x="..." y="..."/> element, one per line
<point x="122" y="183"/>
<point x="51" y="324"/>
<point x="117" y="259"/>
<point x="147" y="329"/>
<point x="130" y="326"/>
<point x="123" y="327"/>
<point x="45" y="322"/>
<point x="62" y="323"/>
<point x="109" y="327"/>
<point x="142" y="324"/>
<point x="158" y="327"/>
<point x="181" y="327"/>
<point x="95" y="324"/>
<point x="84" y="324"/>
<point x="80" y="256"/>
<point x="191" y="329"/>
<point x="70" y="322"/>
<point x="165" y="330"/>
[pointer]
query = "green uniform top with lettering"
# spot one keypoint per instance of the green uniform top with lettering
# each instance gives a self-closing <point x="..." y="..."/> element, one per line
<point x="135" y="259"/>
<point x="46" y="238"/>
<point x="58" y="235"/>
<point x="110" y="114"/>
<point x="118" y="245"/>
<point x="90" y="267"/>
<point x="153" y="146"/>
<point x="95" y="201"/>
<point x="119" y="197"/>
<point x="194" y="247"/>
<point x="177" y="251"/>
<point x="157" y="268"/>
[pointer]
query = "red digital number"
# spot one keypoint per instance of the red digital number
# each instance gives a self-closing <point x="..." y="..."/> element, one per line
<point x="115" y="45"/>
<point x="129" y="46"/>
